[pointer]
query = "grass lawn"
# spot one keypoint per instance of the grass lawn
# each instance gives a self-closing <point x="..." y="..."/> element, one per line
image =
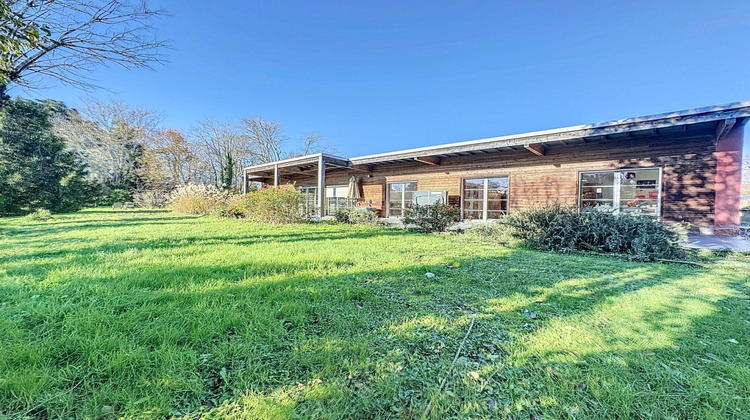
<point x="149" y="314"/>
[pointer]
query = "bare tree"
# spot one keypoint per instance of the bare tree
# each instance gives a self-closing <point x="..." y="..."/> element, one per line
<point x="313" y="143"/>
<point x="216" y="143"/>
<point x="72" y="37"/>
<point x="109" y="136"/>
<point x="266" y="139"/>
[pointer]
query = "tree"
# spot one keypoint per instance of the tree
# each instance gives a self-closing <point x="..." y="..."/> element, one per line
<point x="227" y="175"/>
<point x="15" y="36"/>
<point x="265" y="138"/>
<point x="110" y="137"/>
<point x="312" y="143"/>
<point x="169" y="161"/>
<point x="267" y="142"/>
<point x="66" y="39"/>
<point x="216" y="143"/>
<point x="35" y="169"/>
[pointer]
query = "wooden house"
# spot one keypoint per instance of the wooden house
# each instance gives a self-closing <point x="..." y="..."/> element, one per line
<point x="678" y="166"/>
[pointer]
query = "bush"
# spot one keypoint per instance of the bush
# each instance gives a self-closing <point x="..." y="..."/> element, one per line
<point x="563" y="229"/>
<point x="115" y="196"/>
<point x="229" y="211"/>
<point x="76" y="192"/>
<point x="273" y="205"/>
<point x="198" y="199"/>
<point x="498" y="232"/>
<point x="356" y="217"/>
<point x="153" y="199"/>
<point x="39" y="215"/>
<point x="431" y="218"/>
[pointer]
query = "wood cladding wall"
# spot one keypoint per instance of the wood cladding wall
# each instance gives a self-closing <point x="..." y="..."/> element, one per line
<point x="689" y="166"/>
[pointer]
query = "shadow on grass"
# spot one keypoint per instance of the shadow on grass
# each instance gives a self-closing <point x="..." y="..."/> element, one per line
<point x="342" y="339"/>
<point x="107" y="210"/>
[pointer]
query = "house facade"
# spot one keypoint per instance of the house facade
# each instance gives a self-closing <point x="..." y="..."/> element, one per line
<point x="679" y="166"/>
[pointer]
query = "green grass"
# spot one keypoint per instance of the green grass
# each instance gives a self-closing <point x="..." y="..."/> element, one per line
<point x="144" y="314"/>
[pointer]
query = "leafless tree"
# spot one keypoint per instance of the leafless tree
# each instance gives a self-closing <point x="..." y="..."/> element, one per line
<point x="266" y="139"/>
<point x="268" y="142"/>
<point x="313" y="143"/>
<point x="216" y="141"/>
<point x="72" y="37"/>
<point x="109" y="136"/>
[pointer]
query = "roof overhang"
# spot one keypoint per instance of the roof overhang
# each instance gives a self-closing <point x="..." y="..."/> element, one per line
<point x="296" y="165"/>
<point x="536" y="142"/>
<point x="718" y="120"/>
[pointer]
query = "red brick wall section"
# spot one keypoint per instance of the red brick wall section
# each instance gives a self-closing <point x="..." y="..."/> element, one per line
<point x="728" y="182"/>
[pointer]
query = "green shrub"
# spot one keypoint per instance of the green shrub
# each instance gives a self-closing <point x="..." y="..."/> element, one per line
<point x="199" y="199"/>
<point x="564" y="229"/>
<point x="39" y="215"/>
<point x="356" y="217"/>
<point x="431" y="218"/>
<point x="273" y="205"/>
<point x="498" y="232"/>
<point x="115" y="196"/>
<point x="230" y="211"/>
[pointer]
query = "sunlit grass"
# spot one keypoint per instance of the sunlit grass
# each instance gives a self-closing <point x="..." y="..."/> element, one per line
<point x="149" y="314"/>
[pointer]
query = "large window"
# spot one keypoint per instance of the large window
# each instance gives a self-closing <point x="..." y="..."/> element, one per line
<point x="336" y="199"/>
<point x="635" y="191"/>
<point x="400" y="196"/>
<point x="485" y="198"/>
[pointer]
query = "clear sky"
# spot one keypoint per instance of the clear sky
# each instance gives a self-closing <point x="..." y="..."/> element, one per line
<point x="376" y="76"/>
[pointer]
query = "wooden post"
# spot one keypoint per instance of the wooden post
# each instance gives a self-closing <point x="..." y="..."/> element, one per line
<point x="276" y="175"/>
<point x="244" y="181"/>
<point x="321" y="187"/>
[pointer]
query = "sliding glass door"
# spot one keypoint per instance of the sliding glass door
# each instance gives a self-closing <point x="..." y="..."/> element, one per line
<point x="400" y="197"/>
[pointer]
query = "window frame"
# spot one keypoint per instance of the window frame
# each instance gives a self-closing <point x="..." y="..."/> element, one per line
<point x="616" y="185"/>
<point x="403" y="197"/>
<point x="485" y="196"/>
<point x="305" y="191"/>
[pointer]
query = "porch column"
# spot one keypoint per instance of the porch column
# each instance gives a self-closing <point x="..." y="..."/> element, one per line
<point x="321" y="187"/>
<point x="244" y="181"/>
<point x="728" y="181"/>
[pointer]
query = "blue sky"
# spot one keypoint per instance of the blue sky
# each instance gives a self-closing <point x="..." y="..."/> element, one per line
<point x="386" y="75"/>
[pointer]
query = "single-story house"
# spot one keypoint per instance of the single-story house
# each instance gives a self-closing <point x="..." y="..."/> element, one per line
<point x="678" y="166"/>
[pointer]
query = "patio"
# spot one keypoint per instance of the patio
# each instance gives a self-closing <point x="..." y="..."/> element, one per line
<point x="717" y="243"/>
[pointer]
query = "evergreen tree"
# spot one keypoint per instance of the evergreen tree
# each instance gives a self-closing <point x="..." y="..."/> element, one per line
<point x="227" y="175"/>
<point x="35" y="169"/>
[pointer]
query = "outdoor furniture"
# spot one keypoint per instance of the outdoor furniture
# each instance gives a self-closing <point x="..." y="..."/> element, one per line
<point x="116" y="206"/>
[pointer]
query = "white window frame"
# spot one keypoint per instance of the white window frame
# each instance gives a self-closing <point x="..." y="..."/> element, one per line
<point x="485" y="196"/>
<point x="332" y="188"/>
<point x="403" y="197"/>
<point x="310" y="190"/>
<point x="616" y="187"/>
<point x="331" y="194"/>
